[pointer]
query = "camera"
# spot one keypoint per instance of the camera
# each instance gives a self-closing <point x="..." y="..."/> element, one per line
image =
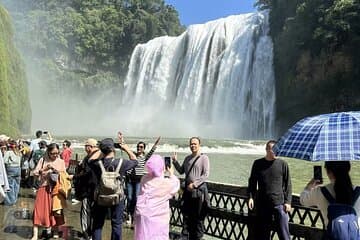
<point x="318" y="173"/>
<point x="167" y="162"/>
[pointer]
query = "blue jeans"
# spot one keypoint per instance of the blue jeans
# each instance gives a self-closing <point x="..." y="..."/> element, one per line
<point x="132" y="195"/>
<point x="99" y="213"/>
<point x="13" y="174"/>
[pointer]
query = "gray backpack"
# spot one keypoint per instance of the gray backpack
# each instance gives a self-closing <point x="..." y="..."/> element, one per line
<point x="110" y="190"/>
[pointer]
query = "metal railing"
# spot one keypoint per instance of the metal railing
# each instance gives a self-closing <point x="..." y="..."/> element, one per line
<point x="230" y="218"/>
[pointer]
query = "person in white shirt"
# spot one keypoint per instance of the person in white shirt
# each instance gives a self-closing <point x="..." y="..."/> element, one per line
<point x="4" y="184"/>
<point x="12" y="160"/>
<point x="340" y="187"/>
<point x="34" y="145"/>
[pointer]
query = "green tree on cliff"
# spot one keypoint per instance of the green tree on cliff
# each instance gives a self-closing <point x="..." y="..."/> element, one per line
<point x="98" y="34"/>
<point x="15" y="116"/>
<point x="316" y="56"/>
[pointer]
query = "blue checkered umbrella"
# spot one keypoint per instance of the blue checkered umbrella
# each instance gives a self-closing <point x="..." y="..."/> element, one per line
<point x="327" y="137"/>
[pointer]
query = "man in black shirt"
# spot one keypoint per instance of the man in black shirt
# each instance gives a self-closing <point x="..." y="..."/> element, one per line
<point x="272" y="177"/>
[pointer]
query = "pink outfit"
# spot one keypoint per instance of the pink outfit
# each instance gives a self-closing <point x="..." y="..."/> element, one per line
<point x="152" y="214"/>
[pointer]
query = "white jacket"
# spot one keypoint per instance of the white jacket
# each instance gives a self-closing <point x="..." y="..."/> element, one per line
<point x="3" y="176"/>
<point x="314" y="197"/>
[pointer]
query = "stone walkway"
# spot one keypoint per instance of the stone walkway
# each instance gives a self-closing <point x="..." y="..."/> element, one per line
<point x="17" y="224"/>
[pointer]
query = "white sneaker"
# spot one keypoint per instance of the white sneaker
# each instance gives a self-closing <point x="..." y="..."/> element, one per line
<point x="128" y="222"/>
<point x="74" y="201"/>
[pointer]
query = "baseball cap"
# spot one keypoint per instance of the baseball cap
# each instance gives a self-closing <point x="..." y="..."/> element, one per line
<point x="91" y="142"/>
<point x="106" y="145"/>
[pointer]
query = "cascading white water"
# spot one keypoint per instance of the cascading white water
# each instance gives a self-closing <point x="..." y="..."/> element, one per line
<point x="214" y="80"/>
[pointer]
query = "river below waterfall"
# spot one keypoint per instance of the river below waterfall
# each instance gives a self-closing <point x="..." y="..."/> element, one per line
<point x="230" y="159"/>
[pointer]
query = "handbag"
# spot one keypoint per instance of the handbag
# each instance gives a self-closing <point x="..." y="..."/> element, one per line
<point x="53" y="177"/>
<point x="183" y="205"/>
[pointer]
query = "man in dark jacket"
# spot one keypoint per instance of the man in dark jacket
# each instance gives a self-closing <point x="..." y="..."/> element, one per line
<point x="83" y="185"/>
<point x="272" y="177"/>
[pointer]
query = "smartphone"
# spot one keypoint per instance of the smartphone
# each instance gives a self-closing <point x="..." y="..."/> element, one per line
<point x="117" y="145"/>
<point x="167" y="162"/>
<point x="318" y="173"/>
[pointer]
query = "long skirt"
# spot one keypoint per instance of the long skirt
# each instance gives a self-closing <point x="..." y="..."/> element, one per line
<point x="43" y="214"/>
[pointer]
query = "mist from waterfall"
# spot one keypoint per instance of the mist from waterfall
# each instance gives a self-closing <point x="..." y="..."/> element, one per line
<point x="214" y="80"/>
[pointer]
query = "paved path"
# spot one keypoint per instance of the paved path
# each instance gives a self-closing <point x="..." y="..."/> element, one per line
<point x="13" y="226"/>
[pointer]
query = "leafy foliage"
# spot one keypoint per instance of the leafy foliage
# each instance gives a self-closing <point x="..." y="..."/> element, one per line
<point x="316" y="56"/>
<point x="15" y="108"/>
<point x="72" y="43"/>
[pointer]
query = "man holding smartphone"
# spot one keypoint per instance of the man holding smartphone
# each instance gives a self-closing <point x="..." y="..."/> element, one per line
<point x="34" y="144"/>
<point x="196" y="167"/>
<point x="270" y="179"/>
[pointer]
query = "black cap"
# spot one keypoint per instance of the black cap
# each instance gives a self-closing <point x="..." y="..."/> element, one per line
<point x="106" y="145"/>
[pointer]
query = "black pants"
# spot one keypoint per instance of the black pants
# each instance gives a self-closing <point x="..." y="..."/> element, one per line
<point x="193" y="217"/>
<point x="265" y="216"/>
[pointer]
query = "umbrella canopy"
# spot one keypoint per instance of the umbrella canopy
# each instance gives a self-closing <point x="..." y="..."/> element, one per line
<point x="326" y="137"/>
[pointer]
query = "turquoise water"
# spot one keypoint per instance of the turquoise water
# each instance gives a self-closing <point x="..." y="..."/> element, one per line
<point x="235" y="169"/>
<point x="230" y="160"/>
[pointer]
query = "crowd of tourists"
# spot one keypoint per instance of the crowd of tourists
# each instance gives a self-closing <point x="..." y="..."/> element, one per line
<point x="142" y="185"/>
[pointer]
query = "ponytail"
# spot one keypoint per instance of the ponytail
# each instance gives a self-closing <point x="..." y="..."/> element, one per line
<point x="343" y="186"/>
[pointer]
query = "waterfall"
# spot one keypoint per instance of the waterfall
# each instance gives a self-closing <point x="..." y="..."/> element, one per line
<point x="214" y="80"/>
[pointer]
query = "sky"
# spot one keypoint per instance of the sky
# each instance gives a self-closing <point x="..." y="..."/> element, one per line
<point x="201" y="11"/>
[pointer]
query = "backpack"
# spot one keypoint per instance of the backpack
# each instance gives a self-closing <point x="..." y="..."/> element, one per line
<point x="110" y="190"/>
<point x="35" y="158"/>
<point x="84" y="179"/>
<point x="343" y="220"/>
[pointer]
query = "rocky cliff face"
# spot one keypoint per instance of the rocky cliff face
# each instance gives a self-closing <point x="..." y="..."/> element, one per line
<point x="15" y="115"/>
<point x="319" y="84"/>
<point x="316" y="58"/>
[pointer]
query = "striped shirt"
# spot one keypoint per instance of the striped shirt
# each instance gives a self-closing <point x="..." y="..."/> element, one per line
<point x="140" y="170"/>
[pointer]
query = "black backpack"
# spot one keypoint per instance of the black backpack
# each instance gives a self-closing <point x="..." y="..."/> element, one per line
<point x="84" y="180"/>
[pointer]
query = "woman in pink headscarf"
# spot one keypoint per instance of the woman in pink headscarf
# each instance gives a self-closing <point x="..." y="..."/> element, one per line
<point x="152" y="214"/>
